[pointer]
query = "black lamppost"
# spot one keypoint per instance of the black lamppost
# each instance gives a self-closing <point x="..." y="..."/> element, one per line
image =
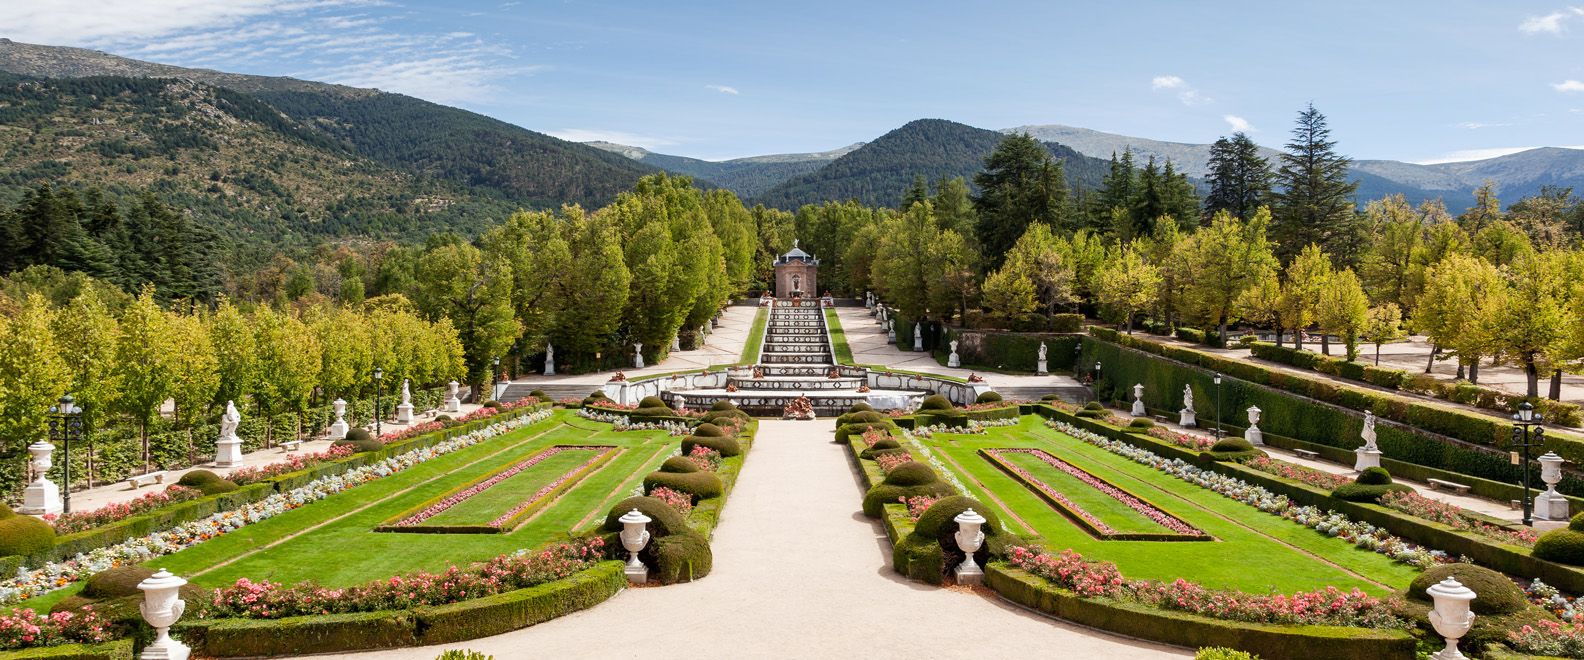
<point x="1218" y="404"/>
<point x="379" y="379"/>
<point x="494" y="376"/>
<point x="65" y="423"/>
<point x="1523" y="439"/>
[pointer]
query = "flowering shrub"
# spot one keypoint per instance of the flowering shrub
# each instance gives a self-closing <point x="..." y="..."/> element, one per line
<point x="23" y="628"/>
<point x="1194" y="442"/>
<point x="568" y="401"/>
<point x="293" y="463"/>
<point x="413" y="431"/>
<point x="1317" y="478"/>
<point x="917" y="505"/>
<point x="705" y="458"/>
<point x="78" y="521"/>
<point x="508" y="572"/>
<point x="1330" y="606"/>
<point x="1360" y="534"/>
<point x="1452" y="516"/>
<point x="1549" y="638"/>
<point x="873" y="435"/>
<point x="890" y="461"/>
<point x="623" y="423"/>
<point x="28" y="583"/>
<point x="1553" y="600"/>
<point x="678" y="500"/>
<point x="1143" y="508"/>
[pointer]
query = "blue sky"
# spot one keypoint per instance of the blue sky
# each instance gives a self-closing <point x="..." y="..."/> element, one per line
<point x="1416" y="81"/>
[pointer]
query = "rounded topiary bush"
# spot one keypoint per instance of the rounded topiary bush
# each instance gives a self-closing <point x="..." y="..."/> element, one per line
<point x="723" y="405"/>
<point x="540" y="395"/>
<point x="848" y="431"/>
<point x="725" y="416"/>
<point x="652" y="402"/>
<point x="727" y="447"/>
<point x="490" y="404"/>
<point x="663" y="520"/>
<point x="1141" y="423"/>
<point x="988" y="397"/>
<point x="1051" y="397"/>
<point x="360" y="440"/>
<point x="708" y="431"/>
<point x="1375" y="476"/>
<point x="676" y="552"/>
<point x="937" y="519"/>
<point x="662" y="411"/>
<point x="1094" y="405"/>
<point x="206" y="482"/>
<point x="678" y="464"/>
<point x="860" y="407"/>
<point x="936" y="402"/>
<point x="1231" y="449"/>
<point x="442" y="418"/>
<point x="883" y="445"/>
<point x="912" y="474"/>
<point x="1563" y="546"/>
<point x="595" y="398"/>
<point x="71" y="603"/>
<point x="862" y="417"/>
<point x="116" y="582"/>
<point x="5" y="511"/>
<point x="1219" y="653"/>
<point x="907" y="480"/>
<point x="681" y="558"/>
<point x="930" y="551"/>
<point x="1576" y="523"/>
<point x="25" y="535"/>
<point x="1497" y="593"/>
<point x="699" y="484"/>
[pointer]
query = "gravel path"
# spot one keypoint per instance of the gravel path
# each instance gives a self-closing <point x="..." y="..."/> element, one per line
<point x="799" y="572"/>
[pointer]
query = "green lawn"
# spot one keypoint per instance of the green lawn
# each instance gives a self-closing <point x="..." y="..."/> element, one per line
<point x="756" y="333"/>
<point x="1109" y="510"/>
<point x="332" y="542"/>
<point x="844" y="354"/>
<point x="1253" y="551"/>
<point x="489" y="504"/>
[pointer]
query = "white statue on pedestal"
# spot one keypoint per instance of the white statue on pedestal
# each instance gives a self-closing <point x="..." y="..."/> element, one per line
<point x="676" y="343"/>
<point x="638" y="356"/>
<point x="1254" y="435"/>
<point x="228" y="450"/>
<point x="42" y="497"/>
<point x="1138" y="400"/>
<point x="338" y="430"/>
<point x="404" y="412"/>
<point x="918" y="337"/>
<point x="952" y="360"/>
<point x="891" y="331"/>
<point x="549" y="360"/>
<point x="1041" y="368"/>
<point x="453" y="402"/>
<point x="1367" y="456"/>
<point x="1185" y="417"/>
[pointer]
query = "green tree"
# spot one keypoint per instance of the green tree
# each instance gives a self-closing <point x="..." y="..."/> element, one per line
<point x="142" y="369"/>
<point x="904" y="265"/>
<point x="86" y="333"/>
<point x="32" y="377"/>
<point x="1501" y="243"/>
<point x="1009" y="295"/>
<point x="1485" y="211"/>
<point x="1307" y="277"/>
<point x="474" y="290"/>
<point x="954" y="210"/>
<point x="289" y="359"/>
<point x="346" y="351"/>
<point x="1397" y="237"/>
<point x="1460" y="294"/>
<point x="1343" y="309"/>
<point x="596" y="287"/>
<point x="540" y="256"/>
<point x="1314" y="203"/>
<point x="1261" y="304"/>
<point x="1239" y="178"/>
<point x="1117" y="191"/>
<point x="236" y="352"/>
<point x="956" y="280"/>
<point x="1044" y="259"/>
<point x="1383" y="324"/>
<point x="1127" y="283"/>
<point x="1224" y="259"/>
<point x="194" y="370"/>
<point x="1533" y="315"/>
<point x="1021" y="185"/>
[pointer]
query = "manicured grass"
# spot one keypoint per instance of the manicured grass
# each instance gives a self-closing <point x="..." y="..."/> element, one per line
<point x="1108" y="509"/>
<point x="489" y="504"/>
<point x="756" y="333"/>
<point x="844" y="354"/>
<point x="346" y="551"/>
<point x="1253" y="551"/>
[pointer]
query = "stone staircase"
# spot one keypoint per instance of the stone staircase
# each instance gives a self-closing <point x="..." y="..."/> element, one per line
<point x="796" y="334"/>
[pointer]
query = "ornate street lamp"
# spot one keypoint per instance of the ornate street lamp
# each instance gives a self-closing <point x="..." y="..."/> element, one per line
<point x="1218" y="405"/>
<point x="379" y="379"/>
<point x="1523" y="439"/>
<point x="65" y="424"/>
<point x="494" y="376"/>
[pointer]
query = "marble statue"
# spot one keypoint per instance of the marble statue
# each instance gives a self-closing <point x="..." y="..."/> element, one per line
<point x="1042" y="367"/>
<point x="1369" y="455"/>
<point x="1186" y="417"/>
<point x="228" y="450"/>
<point x="549" y="369"/>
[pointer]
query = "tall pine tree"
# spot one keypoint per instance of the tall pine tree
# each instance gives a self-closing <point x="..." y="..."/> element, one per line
<point x="1020" y="185"/>
<point x="1315" y="203"/>
<point x="1240" y="179"/>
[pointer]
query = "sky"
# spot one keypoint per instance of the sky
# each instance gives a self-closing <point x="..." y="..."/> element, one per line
<point x="1404" y="80"/>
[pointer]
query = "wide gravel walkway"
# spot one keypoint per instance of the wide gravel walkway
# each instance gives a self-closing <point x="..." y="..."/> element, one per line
<point x="799" y="572"/>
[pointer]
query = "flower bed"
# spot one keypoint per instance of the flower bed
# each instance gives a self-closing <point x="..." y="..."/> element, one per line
<point x="891" y="461"/>
<point x="268" y="600"/>
<point x="24" y="628"/>
<point x="1310" y="476"/>
<point x="1327" y="607"/>
<point x="624" y="423"/>
<point x="917" y="505"/>
<point x="1086" y="520"/>
<point x="974" y="426"/>
<point x="81" y="521"/>
<point x="678" y="500"/>
<point x="1550" y="639"/>
<point x="1363" y="535"/>
<point x="417" y="515"/>
<point x="293" y="463"/>
<point x="54" y="575"/>
<point x="519" y="514"/>
<point x="1419" y="506"/>
<point x="1194" y="442"/>
<point x="705" y="458"/>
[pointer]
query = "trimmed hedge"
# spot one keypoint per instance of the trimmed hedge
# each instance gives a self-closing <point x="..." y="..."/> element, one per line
<point x="513" y="610"/>
<point x="678" y="464"/>
<point x="300" y="635"/>
<point x="120" y="649"/>
<point x="727" y="447"/>
<point x="1183" y="629"/>
<point x="25" y="536"/>
<point x="1015" y="351"/>
<point x="700" y="485"/>
<point x="1497" y="593"/>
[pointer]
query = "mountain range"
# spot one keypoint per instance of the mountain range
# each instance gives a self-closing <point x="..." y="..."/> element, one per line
<point x="278" y="158"/>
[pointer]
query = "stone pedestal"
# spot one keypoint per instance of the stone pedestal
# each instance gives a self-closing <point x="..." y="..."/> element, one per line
<point x="228" y="452"/>
<point x="404" y="413"/>
<point x="1366" y="458"/>
<point x="891" y="333"/>
<point x="42" y="496"/>
<point x="1550" y="505"/>
<point x="1255" y="436"/>
<point x="1185" y="417"/>
<point x="676" y="343"/>
<point x="453" y="403"/>
<point x="1041" y="369"/>
<point x="952" y="360"/>
<point x="338" y="430"/>
<point x="638" y="362"/>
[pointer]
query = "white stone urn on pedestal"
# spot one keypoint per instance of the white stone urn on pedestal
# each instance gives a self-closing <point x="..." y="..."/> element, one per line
<point x="1253" y="435"/>
<point x="1451" y="616"/>
<point x="1138" y="401"/>
<point x="453" y="402"/>
<point x="969" y="537"/>
<point x="404" y="411"/>
<point x="638" y="356"/>
<point x="952" y="360"/>
<point x="162" y="607"/>
<point x="1551" y="505"/>
<point x="228" y="449"/>
<point x="634" y="536"/>
<point x="42" y="497"/>
<point x="338" y="430"/>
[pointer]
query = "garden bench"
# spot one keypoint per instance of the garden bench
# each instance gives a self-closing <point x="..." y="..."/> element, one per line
<point x="146" y="479"/>
<point x="1442" y="484"/>
<point x="1162" y="419"/>
<point x="1306" y="453"/>
<point x="290" y="445"/>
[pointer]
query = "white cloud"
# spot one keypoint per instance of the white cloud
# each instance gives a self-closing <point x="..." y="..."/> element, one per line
<point x="1238" y="124"/>
<point x="1482" y="154"/>
<point x="1185" y="92"/>
<point x="1568" y="86"/>
<point x="1552" y="23"/>
<point x="1476" y="125"/>
<point x="619" y="137"/>
<point x="723" y="89"/>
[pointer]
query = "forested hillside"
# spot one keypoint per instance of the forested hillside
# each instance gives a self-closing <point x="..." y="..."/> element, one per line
<point x="879" y="172"/>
